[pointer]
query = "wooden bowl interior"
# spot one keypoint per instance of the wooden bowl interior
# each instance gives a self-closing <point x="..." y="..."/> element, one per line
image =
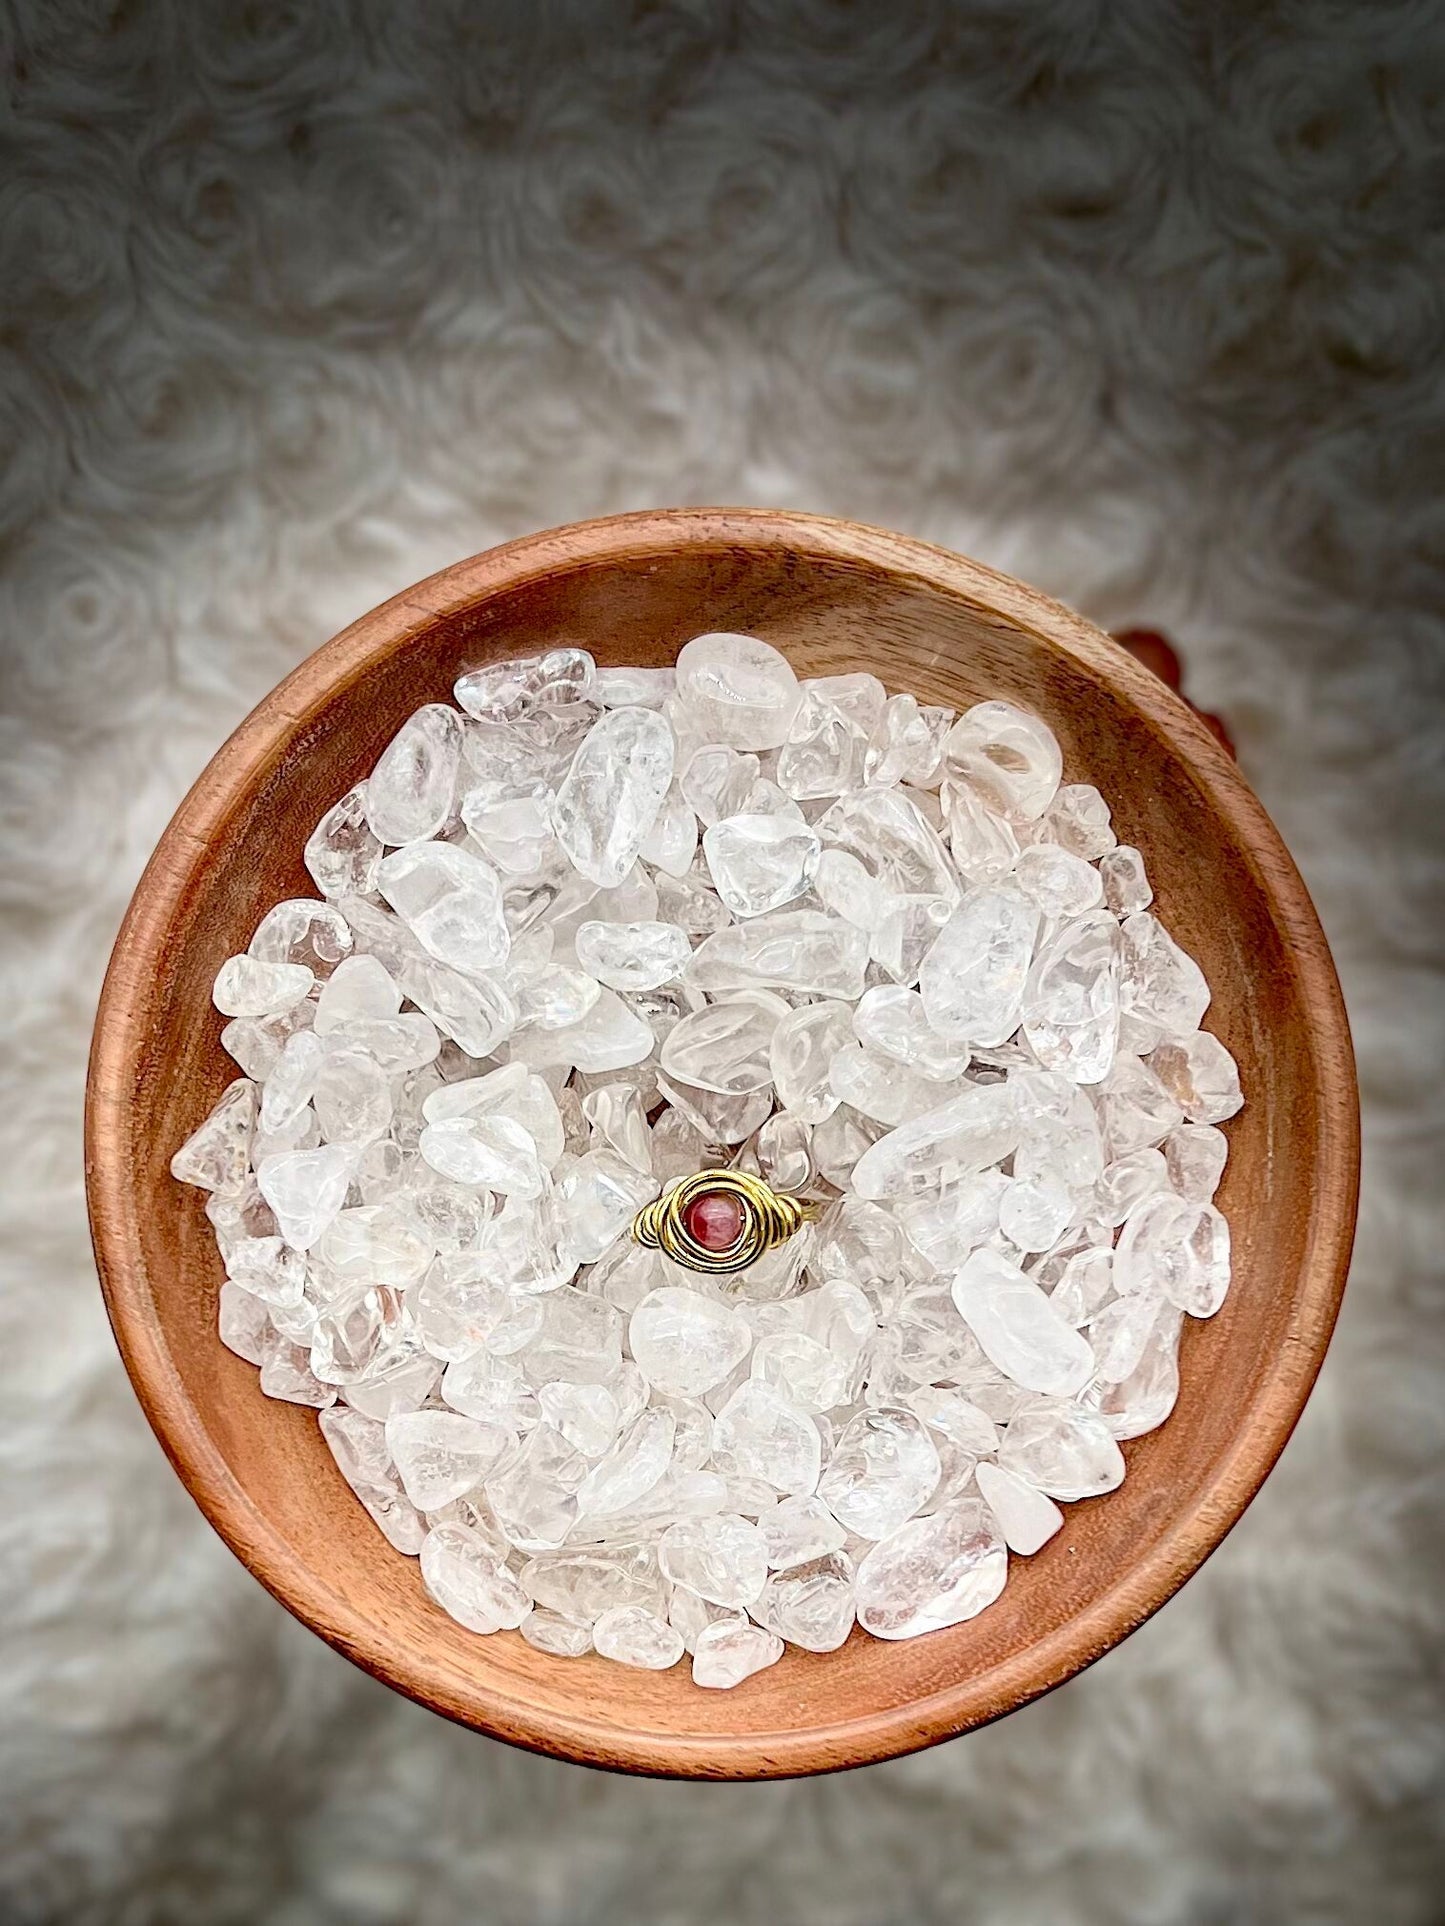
<point x="260" y="1467"/>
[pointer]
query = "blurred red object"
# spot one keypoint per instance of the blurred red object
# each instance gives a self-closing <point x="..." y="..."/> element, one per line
<point x="1158" y="653"/>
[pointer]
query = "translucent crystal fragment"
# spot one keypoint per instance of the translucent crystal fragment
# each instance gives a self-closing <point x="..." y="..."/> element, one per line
<point x="941" y="1148"/>
<point x="797" y="1531"/>
<point x="685" y="1343"/>
<point x="810" y="1604"/>
<point x="738" y="690"/>
<point x="1126" y="884"/>
<point x="1019" y="1329"/>
<point x="586" y="1415"/>
<point x="633" y="956"/>
<point x="973" y="978"/>
<point x="1126" y="1182"/>
<point x="893" y="840"/>
<point x="290" y="1085"/>
<point x="1034" y="1212"/>
<point x="557" y="1636"/>
<point x="1144" y="1399"/>
<point x="342" y="852"/>
<point x="1159" y="984"/>
<point x="352" y="1095"/>
<point x="804" y="951"/>
<point x="983" y="843"/>
<point x="759" y="1434"/>
<point x="800" y="1055"/>
<point x="409" y="793"/>
<point x="1060" y="885"/>
<point x="731" y="1650"/>
<point x="451" y="901"/>
<point x="1195" y="1156"/>
<point x="611" y="795"/>
<point x="932" y="1572"/>
<point x="717" y="782"/>
<point x="503" y="691"/>
<point x="1177" y="1248"/>
<point x="892" y="1021"/>
<point x="845" y="888"/>
<point x="883" y="1469"/>
<point x="306" y="1188"/>
<point x="463" y="1573"/>
<point x="491" y="1152"/>
<point x="759" y="863"/>
<point x="1026" y="1518"/>
<point x="244" y="1322"/>
<point x="216" y="1156"/>
<point x="632" y="1467"/>
<point x="1062" y="1449"/>
<point x="359" y="987"/>
<point x="441" y="1455"/>
<point x="533" y="1494"/>
<point x="1078" y="820"/>
<point x="618" y="1123"/>
<point x="611" y="1036"/>
<point x="629" y="688"/>
<point x="726" y="1046"/>
<point x="802" y="1369"/>
<point x="723" y="1558"/>
<point x="313" y="934"/>
<point x="286" y="1374"/>
<point x="598" y="1197"/>
<point x="358" y="1444"/>
<point x="632" y="1635"/>
<point x="1200" y="1075"/>
<point x="1008" y="756"/>
<point x="582" y="1584"/>
<point x="907" y="744"/>
<point x="1135" y="1110"/>
<point x="247" y="987"/>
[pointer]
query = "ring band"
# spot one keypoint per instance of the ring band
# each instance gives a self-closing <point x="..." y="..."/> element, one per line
<point x="720" y="1220"/>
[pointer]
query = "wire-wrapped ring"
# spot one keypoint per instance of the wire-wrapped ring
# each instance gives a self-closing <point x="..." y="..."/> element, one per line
<point x="768" y="1218"/>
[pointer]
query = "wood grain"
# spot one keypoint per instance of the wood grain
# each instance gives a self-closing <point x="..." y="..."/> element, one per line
<point x="835" y="597"/>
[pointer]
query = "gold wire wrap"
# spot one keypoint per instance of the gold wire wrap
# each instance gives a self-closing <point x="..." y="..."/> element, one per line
<point x="770" y="1217"/>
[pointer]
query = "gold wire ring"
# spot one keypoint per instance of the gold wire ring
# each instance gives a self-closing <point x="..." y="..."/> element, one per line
<point x="769" y="1218"/>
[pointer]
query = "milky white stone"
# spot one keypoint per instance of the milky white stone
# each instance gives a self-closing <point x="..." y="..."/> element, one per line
<point x="973" y="978"/>
<point x="759" y="863"/>
<point x="943" y="1147"/>
<point x="725" y="1047"/>
<point x="306" y="1188"/>
<point x="723" y="1559"/>
<point x="216" y="1155"/>
<point x="759" y="1434"/>
<point x="686" y="1343"/>
<point x="800" y="1056"/>
<point x="247" y="987"/>
<point x="796" y="1531"/>
<point x="451" y="900"/>
<point x="933" y="1572"/>
<point x="1019" y="1329"/>
<point x="1200" y="1075"/>
<point x="1062" y="1449"/>
<point x="731" y="1650"/>
<point x="359" y="986"/>
<point x="611" y="795"/>
<point x="409" y="793"/>
<point x="798" y="950"/>
<point x="1008" y="756"/>
<point x="1195" y="1156"/>
<point x="1126" y="885"/>
<point x="883" y="1469"/>
<point x="738" y="690"/>
<point x="1177" y="1247"/>
<point x="1026" y="1518"/>
<point x="632" y="956"/>
<point x="462" y="1572"/>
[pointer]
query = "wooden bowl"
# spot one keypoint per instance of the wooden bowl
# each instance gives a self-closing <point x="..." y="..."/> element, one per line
<point x="835" y="597"/>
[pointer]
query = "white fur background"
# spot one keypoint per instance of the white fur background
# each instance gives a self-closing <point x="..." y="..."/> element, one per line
<point x="299" y="302"/>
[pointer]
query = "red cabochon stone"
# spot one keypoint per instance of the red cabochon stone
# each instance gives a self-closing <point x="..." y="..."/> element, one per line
<point x="714" y="1219"/>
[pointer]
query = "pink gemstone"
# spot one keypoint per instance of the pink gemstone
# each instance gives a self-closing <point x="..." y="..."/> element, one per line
<point x="714" y="1219"/>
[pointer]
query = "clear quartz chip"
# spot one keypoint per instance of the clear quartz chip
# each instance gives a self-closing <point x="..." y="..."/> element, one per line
<point x="1126" y="884"/>
<point x="463" y="1573"/>
<point x="932" y="1153"/>
<point x="907" y="744"/>
<point x="409" y="793"/>
<point x="441" y="1455"/>
<point x="1026" y="1517"/>
<point x="883" y="1469"/>
<point x="216" y="1156"/>
<point x="1200" y="1075"/>
<point x="797" y="950"/>
<point x="738" y="690"/>
<point x="973" y="979"/>
<point x="1019" y="1329"/>
<point x="984" y="844"/>
<point x="1195" y="1156"/>
<point x="810" y="1605"/>
<point x="731" y="1650"/>
<point x="611" y="795"/>
<point x="759" y="1434"/>
<point x="932" y="1572"/>
<point x="723" y="1558"/>
<point x="303" y="931"/>
<point x="800" y="1055"/>
<point x="1008" y="756"/>
<point x="451" y="901"/>
<point x="685" y="1343"/>
<point x="760" y="863"/>
<point x="633" y="956"/>
<point x="892" y="1021"/>
<point x="1078" y="820"/>
<point x="1060" y="885"/>
<point x="343" y="853"/>
<point x="725" y="1047"/>
<point x="635" y="1636"/>
<point x="247" y="987"/>
<point x="306" y="1189"/>
<point x="1063" y="1449"/>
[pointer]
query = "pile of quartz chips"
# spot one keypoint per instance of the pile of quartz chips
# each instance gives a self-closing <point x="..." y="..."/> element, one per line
<point x="594" y="929"/>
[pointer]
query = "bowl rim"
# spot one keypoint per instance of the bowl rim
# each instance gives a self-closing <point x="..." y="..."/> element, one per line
<point x="578" y="1736"/>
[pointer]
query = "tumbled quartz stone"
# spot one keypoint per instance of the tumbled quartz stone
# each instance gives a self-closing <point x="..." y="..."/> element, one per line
<point x="973" y="978"/>
<point x="534" y="1493"/>
<point x="1086" y="1283"/>
<point x="893" y="840"/>
<point x="358" y="1444"/>
<point x="943" y="1147"/>
<point x="612" y="793"/>
<point x="1078" y="820"/>
<point x="342" y="852"/>
<point x="826" y="745"/>
<point x="1019" y="1329"/>
<point x="810" y="1604"/>
<point x="879" y="1087"/>
<point x="1062" y="886"/>
<point x="1008" y="756"/>
<point x="618" y="1122"/>
<point x="632" y="1467"/>
<point x="1178" y="1248"/>
<point x="1126" y="885"/>
<point x="557" y="1636"/>
<point x="759" y="863"/>
<point x="933" y="1572"/>
<point x="796" y="950"/>
<point x="907" y="745"/>
<point x="892" y="1021"/>
<point x="632" y="956"/>
<point x="611" y="1036"/>
<point x="409" y="793"/>
<point x="759" y="1434"/>
<point x="597" y="1198"/>
<point x="984" y="845"/>
<point x="635" y="1636"/>
<point x="491" y="1152"/>
<point x="290" y="1085"/>
<point x="441" y="1455"/>
<point x="731" y="1650"/>
<point x="883" y="1469"/>
<point x="1200" y="1075"/>
<point x="800" y="1054"/>
<point x="359" y="987"/>
<point x="726" y="1046"/>
<point x="1126" y="1182"/>
<point x="286" y="1374"/>
<point x="451" y="900"/>
<point x="1062" y="1449"/>
<point x="247" y="987"/>
<point x="586" y="1415"/>
<point x="737" y="690"/>
<point x="378" y="1243"/>
<point x="1026" y="1518"/>
<point x="582" y="1583"/>
<point x="503" y="691"/>
<point x="216" y="1155"/>
<point x="353" y="1099"/>
<point x="306" y="1189"/>
<point x="1195" y="1156"/>
<point x="797" y="1531"/>
<point x="717" y="782"/>
<point x="1119" y="1333"/>
<point x="784" y="1152"/>
<point x="1135" y="1110"/>
<point x="1034" y="1212"/>
<point x="1158" y="982"/>
<point x="463" y="1573"/>
<point x="685" y="1343"/>
<point x="303" y="931"/>
<point x="723" y="1558"/>
<point x="801" y="1369"/>
<point x="243" y="1322"/>
<point x="513" y="1092"/>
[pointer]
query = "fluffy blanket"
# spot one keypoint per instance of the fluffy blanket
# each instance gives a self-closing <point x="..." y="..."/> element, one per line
<point x="299" y="302"/>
